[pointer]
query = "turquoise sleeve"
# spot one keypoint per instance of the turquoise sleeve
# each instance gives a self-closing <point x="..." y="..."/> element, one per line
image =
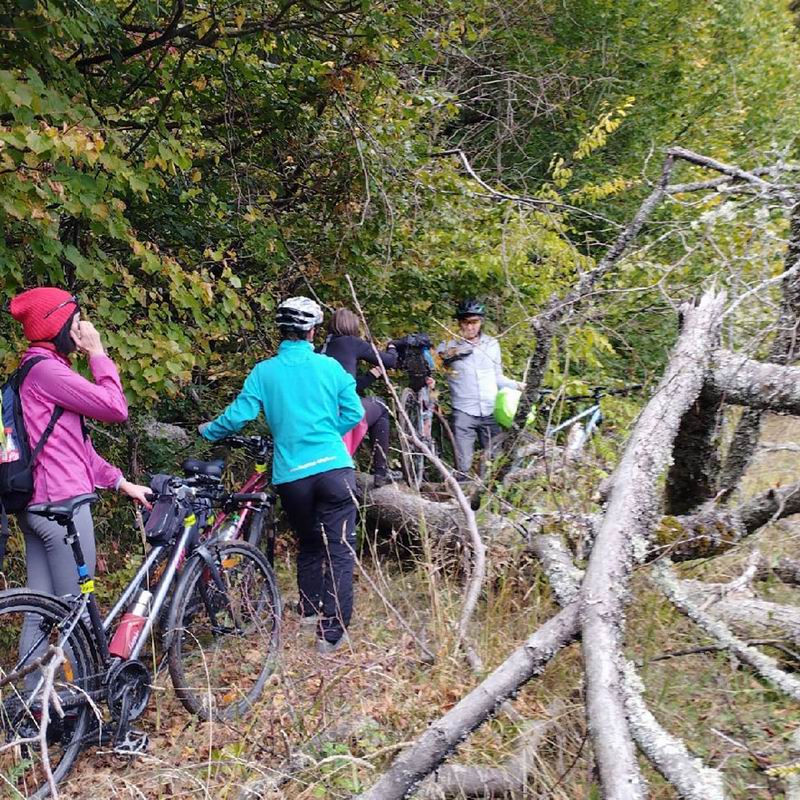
<point x="350" y="409"/>
<point x="242" y="410"/>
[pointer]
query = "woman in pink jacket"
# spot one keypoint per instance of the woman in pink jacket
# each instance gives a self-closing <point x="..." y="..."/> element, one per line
<point x="68" y="464"/>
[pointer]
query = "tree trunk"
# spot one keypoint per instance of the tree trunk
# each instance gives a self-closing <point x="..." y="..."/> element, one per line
<point x="714" y="531"/>
<point x="629" y="518"/>
<point x="743" y="381"/>
<point x="693" y="476"/>
<point x="510" y="777"/>
<point x="445" y="734"/>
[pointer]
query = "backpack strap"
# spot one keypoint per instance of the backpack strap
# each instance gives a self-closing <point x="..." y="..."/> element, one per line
<point x="22" y="373"/>
<point x="23" y="369"/>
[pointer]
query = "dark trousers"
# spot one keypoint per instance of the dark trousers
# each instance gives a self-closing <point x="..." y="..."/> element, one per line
<point x="377" y="416"/>
<point x="322" y="511"/>
<point x="465" y="428"/>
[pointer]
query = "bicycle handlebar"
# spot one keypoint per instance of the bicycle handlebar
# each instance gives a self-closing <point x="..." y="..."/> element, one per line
<point x="208" y="489"/>
<point x="255" y="444"/>
<point x="249" y="497"/>
<point x="604" y="391"/>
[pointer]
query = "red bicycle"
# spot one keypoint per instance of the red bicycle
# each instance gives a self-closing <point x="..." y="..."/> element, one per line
<point x="253" y="514"/>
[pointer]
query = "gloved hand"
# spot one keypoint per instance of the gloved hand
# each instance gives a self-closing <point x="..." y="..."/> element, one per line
<point x="202" y="428"/>
<point x="453" y="354"/>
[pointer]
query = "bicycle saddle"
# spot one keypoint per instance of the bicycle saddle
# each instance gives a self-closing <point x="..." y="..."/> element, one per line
<point x="211" y="469"/>
<point x="62" y="509"/>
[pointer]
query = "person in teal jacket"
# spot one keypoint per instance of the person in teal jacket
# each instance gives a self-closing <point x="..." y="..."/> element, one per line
<point x="309" y="402"/>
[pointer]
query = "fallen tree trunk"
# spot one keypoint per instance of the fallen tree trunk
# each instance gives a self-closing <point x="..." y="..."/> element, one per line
<point x="397" y="508"/>
<point x="510" y="777"/>
<point x="743" y="381"/>
<point x="782" y="351"/>
<point x="766" y="666"/>
<point x="445" y="734"/>
<point x="668" y="754"/>
<point x="631" y="514"/>
<point x="714" y="531"/>
<point x="743" y="611"/>
<point x="707" y="533"/>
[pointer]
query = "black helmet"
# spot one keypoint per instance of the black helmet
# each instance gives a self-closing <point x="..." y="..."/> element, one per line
<point x="298" y="313"/>
<point x="470" y="308"/>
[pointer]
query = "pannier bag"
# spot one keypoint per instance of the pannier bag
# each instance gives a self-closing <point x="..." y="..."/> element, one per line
<point x="165" y="520"/>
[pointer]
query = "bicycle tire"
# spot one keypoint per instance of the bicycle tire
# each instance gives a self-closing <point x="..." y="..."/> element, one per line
<point x="444" y="440"/>
<point x="260" y="532"/>
<point x="413" y="463"/>
<point x="219" y="670"/>
<point x="21" y="768"/>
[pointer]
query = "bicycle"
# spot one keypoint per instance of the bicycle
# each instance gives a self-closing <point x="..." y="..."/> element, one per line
<point x="249" y="521"/>
<point x="593" y="415"/>
<point x="223" y="629"/>
<point x="422" y="409"/>
<point x="237" y="520"/>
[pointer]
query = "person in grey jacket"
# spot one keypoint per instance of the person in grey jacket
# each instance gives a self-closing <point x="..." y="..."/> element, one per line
<point x="475" y="375"/>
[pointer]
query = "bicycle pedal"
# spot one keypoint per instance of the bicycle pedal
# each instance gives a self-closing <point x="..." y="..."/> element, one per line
<point x="134" y="744"/>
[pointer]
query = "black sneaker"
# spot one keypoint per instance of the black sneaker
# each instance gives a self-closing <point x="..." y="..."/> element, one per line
<point x="383" y="478"/>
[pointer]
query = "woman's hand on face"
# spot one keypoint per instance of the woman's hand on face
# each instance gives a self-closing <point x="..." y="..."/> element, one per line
<point x="139" y="494"/>
<point x="86" y="337"/>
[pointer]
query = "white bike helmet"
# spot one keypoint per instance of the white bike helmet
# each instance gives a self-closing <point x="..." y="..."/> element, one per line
<point x="298" y="313"/>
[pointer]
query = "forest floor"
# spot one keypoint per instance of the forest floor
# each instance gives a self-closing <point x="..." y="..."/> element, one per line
<point x="725" y="714"/>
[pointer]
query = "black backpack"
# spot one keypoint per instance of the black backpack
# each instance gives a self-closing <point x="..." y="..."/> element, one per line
<point x="414" y="358"/>
<point x="17" y="457"/>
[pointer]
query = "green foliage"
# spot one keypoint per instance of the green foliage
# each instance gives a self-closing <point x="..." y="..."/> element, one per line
<point x="182" y="173"/>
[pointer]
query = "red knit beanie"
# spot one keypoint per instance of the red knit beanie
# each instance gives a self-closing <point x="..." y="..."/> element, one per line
<point x="43" y="312"/>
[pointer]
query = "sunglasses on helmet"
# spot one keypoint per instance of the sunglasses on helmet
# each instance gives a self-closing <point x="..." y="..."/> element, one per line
<point x="61" y="305"/>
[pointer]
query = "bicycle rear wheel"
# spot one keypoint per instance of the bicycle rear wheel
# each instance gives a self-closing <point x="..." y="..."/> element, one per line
<point x="413" y="462"/>
<point x="224" y="630"/>
<point x="23" y="767"/>
<point x="444" y="439"/>
<point x="260" y="532"/>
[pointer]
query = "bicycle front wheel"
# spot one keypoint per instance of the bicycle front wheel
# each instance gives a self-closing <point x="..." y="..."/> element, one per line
<point x="34" y="678"/>
<point x="224" y="630"/>
<point x="413" y="461"/>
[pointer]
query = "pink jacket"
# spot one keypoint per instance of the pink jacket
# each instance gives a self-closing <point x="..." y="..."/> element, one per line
<point x="68" y="465"/>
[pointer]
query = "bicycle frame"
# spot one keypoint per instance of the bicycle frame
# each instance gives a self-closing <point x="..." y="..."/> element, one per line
<point x="88" y="601"/>
<point x="593" y="411"/>
<point x="258" y="481"/>
<point x="426" y="412"/>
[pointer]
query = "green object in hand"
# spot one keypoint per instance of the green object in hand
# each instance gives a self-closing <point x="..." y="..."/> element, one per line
<point x="505" y="407"/>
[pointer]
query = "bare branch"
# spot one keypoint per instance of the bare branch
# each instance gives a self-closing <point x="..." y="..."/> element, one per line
<point x="767" y="667"/>
<point x="667" y="753"/>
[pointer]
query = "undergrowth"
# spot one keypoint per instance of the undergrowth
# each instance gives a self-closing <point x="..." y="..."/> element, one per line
<point x="382" y="686"/>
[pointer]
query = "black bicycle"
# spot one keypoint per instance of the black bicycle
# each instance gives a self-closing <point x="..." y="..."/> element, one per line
<point x="60" y="663"/>
<point x="422" y="409"/>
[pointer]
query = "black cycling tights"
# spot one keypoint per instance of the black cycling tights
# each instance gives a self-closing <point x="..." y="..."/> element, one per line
<point x="377" y="416"/>
<point x="322" y="511"/>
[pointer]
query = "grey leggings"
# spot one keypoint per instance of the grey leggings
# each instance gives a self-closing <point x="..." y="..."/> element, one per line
<point x="51" y="565"/>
